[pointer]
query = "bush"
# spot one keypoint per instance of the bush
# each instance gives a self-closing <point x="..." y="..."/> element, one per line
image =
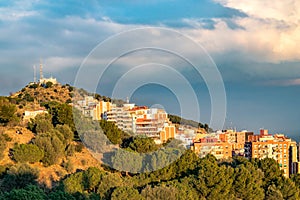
<point x="52" y="146"/>
<point x="79" y="147"/>
<point x="60" y="195"/>
<point x="34" y="86"/>
<point x="7" y="111"/>
<point x="74" y="183"/>
<point x="27" y="153"/>
<point x="67" y="133"/>
<point x="40" y="124"/>
<point x="68" y="101"/>
<point x="49" y="84"/>
<point x="83" y="162"/>
<point x="125" y="193"/>
<point x="70" y="150"/>
<point x="28" y="97"/>
<point x="68" y="165"/>
<point x="29" y="192"/>
<point x="19" y="176"/>
<point x="71" y="89"/>
<point x="3" y="170"/>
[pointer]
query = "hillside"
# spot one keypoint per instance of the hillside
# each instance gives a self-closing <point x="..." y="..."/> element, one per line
<point x="32" y="97"/>
<point x="203" y="128"/>
<point x="43" y="159"/>
<point x="48" y="175"/>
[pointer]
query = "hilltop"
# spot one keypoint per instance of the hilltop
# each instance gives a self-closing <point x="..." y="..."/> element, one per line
<point x="35" y="97"/>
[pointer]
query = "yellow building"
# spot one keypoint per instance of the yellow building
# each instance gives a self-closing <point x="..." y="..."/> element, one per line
<point x="102" y="107"/>
<point x="168" y="132"/>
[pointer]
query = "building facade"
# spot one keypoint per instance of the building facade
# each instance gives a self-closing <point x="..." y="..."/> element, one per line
<point x="32" y="114"/>
<point x="276" y="147"/>
<point x="221" y="150"/>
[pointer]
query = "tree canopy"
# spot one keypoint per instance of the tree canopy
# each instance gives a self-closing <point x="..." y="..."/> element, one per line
<point x="27" y="153"/>
<point x="7" y="111"/>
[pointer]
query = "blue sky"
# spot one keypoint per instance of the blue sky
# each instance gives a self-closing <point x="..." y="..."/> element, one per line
<point x="254" y="44"/>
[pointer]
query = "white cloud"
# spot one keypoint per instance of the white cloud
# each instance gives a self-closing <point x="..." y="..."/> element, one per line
<point x="64" y="42"/>
<point x="287" y="10"/>
<point x="272" y="29"/>
<point x="55" y="64"/>
<point x="19" y="9"/>
<point x="286" y="82"/>
<point x="8" y="14"/>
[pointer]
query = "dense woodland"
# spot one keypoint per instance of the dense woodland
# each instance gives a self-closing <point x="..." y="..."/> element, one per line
<point x="56" y="138"/>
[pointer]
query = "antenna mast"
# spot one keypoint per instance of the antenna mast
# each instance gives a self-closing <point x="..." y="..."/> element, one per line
<point x="34" y="73"/>
<point x="41" y="70"/>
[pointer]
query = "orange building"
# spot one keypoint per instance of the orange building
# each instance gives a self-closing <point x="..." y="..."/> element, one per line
<point x="221" y="150"/>
<point x="236" y="139"/>
<point x="268" y="146"/>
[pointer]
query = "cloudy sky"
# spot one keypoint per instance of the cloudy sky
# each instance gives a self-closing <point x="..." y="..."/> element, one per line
<point x="254" y="45"/>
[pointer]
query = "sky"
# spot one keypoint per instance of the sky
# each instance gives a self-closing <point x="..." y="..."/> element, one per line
<point x="253" y="45"/>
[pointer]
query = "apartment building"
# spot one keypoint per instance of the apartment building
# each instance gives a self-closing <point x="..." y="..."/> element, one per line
<point x="93" y="108"/>
<point x="151" y="122"/>
<point x="278" y="147"/>
<point x="221" y="150"/>
<point x="236" y="139"/>
<point x="121" y="116"/>
<point x="141" y="120"/>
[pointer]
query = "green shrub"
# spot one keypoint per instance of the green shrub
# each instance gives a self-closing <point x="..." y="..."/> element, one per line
<point x="27" y="153"/>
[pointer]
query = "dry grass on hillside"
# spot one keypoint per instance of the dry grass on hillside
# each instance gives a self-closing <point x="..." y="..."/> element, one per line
<point x="23" y="138"/>
<point x="57" y="92"/>
<point x="48" y="176"/>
